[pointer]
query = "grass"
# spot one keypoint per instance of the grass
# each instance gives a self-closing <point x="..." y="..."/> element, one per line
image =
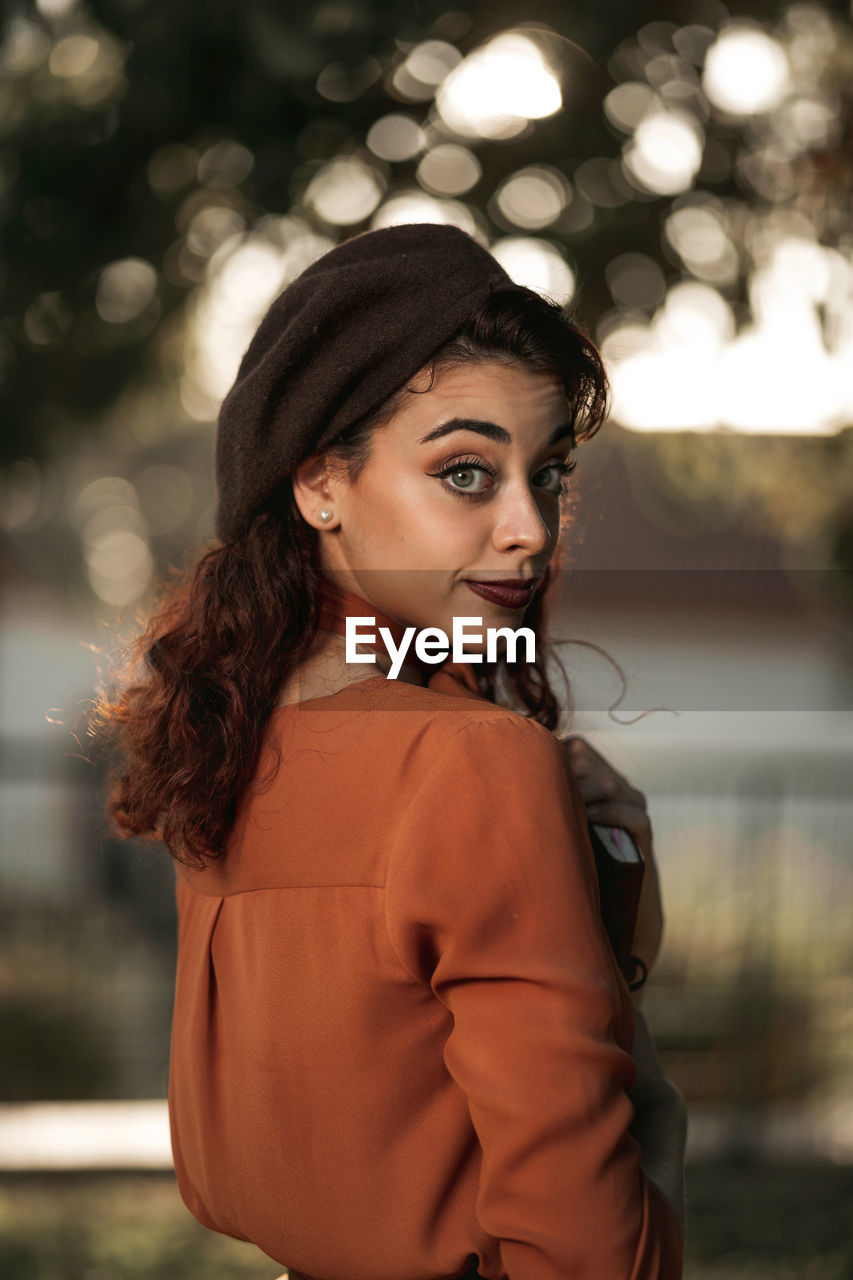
<point x="113" y="1227"/>
<point x="746" y="1221"/>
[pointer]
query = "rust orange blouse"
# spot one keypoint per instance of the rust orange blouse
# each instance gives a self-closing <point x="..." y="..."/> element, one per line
<point x="401" y="1040"/>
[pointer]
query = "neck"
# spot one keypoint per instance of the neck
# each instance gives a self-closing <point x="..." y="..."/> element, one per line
<point x="337" y="604"/>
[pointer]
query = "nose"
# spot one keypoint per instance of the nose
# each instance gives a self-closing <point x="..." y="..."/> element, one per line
<point x="520" y="522"/>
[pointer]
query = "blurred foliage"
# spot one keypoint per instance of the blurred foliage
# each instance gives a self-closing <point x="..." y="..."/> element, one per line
<point x="746" y="1221"/>
<point x="147" y="134"/>
<point x="109" y="1227"/>
<point x="86" y="995"/>
<point x="78" y="193"/>
<point x="52" y="1051"/>
<point x="749" y="1220"/>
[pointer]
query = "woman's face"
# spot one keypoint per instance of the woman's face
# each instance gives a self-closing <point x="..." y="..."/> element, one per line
<point x="463" y="484"/>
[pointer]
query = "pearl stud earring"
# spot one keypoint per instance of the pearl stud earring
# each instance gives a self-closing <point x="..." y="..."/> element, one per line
<point x="325" y="516"/>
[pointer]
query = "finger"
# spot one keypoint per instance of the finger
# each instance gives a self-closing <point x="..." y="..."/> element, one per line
<point x="587" y="766"/>
<point x="631" y="795"/>
<point x="616" y="813"/>
<point x="610" y="785"/>
<point x="586" y="762"/>
<point x="597" y="780"/>
<point x="613" y="788"/>
<point x="597" y="791"/>
<point x="578" y="754"/>
<point x="584" y="754"/>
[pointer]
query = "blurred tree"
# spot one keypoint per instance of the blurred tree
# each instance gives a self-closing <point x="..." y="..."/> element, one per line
<point x="138" y="139"/>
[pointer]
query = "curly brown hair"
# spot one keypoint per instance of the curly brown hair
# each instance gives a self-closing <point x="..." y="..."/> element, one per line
<point x="183" y="733"/>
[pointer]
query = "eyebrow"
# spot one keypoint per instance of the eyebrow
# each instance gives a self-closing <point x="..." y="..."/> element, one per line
<point x="489" y="429"/>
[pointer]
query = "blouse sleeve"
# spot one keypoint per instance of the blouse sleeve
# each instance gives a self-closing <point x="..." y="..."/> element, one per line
<point x="491" y="901"/>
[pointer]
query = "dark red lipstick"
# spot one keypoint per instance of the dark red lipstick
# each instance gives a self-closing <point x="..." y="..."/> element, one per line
<point x="509" y="593"/>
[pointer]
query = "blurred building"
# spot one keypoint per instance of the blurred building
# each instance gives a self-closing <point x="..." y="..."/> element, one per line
<point x="734" y="720"/>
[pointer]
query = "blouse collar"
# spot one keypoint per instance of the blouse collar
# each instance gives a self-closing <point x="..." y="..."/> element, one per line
<point x="337" y="604"/>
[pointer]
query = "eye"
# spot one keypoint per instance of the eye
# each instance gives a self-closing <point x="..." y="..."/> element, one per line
<point x="558" y="473"/>
<point x="465" y="477"/>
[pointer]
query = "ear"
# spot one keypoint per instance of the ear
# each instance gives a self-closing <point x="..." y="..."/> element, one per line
<point x="315" y="487"/>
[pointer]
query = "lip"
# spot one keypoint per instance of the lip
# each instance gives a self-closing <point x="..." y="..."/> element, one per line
<point x="510" y="593"/>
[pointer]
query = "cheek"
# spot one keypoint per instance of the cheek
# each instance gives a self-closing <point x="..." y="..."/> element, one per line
<point x="397" y="504"/>
<point x="389" y="515"/>
<point x="402" y="509"/>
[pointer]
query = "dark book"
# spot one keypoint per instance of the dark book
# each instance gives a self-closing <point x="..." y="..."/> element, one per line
<point x="620" y="867"/>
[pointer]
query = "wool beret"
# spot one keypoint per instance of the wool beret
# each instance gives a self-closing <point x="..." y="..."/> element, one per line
<point x="335" y="344"/>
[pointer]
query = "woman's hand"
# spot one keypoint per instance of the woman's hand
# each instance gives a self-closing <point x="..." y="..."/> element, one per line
<point x="611" y="801"/>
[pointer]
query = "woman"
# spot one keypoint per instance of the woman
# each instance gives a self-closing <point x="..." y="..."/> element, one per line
<point x="402" y="1044"/>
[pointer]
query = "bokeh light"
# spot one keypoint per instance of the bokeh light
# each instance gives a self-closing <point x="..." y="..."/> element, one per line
<point x="602" y="182"/>
<point x="663" y="374"/>
<point x="627" y="104"/>
<point x="125" y="289"/>
<point x="538" y="264"/>
<point x="86" y="68"/>
<point x="665" y="153"/>
<point x="24" y="45"/>
<point x="533" y="197"/>
<point x="165" y="495"/>
<point x="243" y="276"/>
<point x="498" y="88"/>
<point x="781" y="373"/>
<point x="635" y="281"/>
<point x="692" y="368"/>
<point x="414" y="205"/>
<point x="344" y="191"/>
<point x="211" y="227"/>
<point x="697" y="233"/>
<point x="47" y="319"/>
<point x="119" y="566"/>
<point x="114" y="535"/>
<point x="396" y="137"/>
<point x="344" y="82"/>
<point x="693" y="41"/>
<point x="746" y="71"/>
<point x="73" y="56"/>
<point x="56" y="8"/>
<point x="449" y="170"/>
<point x="424" y="69"/>
<point x="20" y="487"/>
<point x="224" y="164"/>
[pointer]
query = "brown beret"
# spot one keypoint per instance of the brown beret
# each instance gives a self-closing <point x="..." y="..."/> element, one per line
<point x="340" y="339"/>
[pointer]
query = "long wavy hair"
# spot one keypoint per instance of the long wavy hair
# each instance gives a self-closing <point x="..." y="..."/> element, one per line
<point x="183" y="726"/>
